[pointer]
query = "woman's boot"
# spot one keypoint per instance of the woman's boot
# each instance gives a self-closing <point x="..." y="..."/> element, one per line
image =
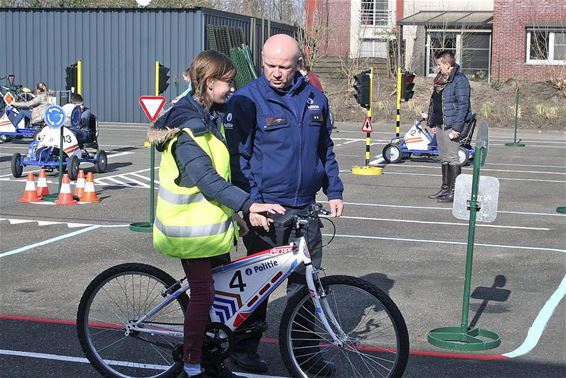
<point x="454" y="171"/>
<point x="444" y="188"/>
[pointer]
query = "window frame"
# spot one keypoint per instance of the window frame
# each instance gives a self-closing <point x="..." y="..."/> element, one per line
<point x="551" y="45"/>
<point x="374" y="13"/>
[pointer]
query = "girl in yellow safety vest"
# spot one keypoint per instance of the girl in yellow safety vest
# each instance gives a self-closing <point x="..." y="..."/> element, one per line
<point x="195" y="216"/>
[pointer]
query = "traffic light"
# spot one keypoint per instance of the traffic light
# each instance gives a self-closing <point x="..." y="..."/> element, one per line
<point x="407" y="85"/>
<point x="71" y="80"/>
<point x="362" y="86"/>
<point x="163" y="78"/>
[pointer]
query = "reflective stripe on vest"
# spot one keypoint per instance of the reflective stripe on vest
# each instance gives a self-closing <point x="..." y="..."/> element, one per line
<point x="180" y="199"/>
<point x="193" y="231"/>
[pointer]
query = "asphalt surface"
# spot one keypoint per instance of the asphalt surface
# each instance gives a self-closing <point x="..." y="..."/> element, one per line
<point x="391" y="234"/>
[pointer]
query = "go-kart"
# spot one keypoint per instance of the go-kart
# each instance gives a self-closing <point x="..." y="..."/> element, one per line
<point x="44" y="152"/>
<point x="8" y="131"/>
<point x="419" y="141"/>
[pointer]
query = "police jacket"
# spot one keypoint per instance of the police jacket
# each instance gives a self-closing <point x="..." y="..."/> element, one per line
<point x="280" y="145"/>
<point x="456" y="108"/>
<point x="196" y="200"/>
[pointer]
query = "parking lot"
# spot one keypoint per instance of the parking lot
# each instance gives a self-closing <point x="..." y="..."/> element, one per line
<point x="391" y="234"/>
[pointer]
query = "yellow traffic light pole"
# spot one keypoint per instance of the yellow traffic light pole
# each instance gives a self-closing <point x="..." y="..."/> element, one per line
<point x="398" y="117"/>
<point x="366" y="169"/>
<point x="79" y="77"/>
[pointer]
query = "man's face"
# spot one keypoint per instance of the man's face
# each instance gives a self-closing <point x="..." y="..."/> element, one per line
<point x="279" y="68"/>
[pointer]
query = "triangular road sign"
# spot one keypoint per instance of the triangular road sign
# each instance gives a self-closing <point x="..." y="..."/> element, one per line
<point x="366" y="126"/>
<point x="152" y="105"/>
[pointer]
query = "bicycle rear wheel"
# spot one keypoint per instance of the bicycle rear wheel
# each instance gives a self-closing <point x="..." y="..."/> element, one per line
<point x="117" y="297"/>
<point x="375" y="339"/>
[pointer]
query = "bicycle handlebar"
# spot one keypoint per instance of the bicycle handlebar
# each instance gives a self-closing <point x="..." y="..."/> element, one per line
<point x="311" y="212"/>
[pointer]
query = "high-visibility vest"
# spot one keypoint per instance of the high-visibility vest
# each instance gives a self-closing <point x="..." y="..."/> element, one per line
<point x="187" y="225"/>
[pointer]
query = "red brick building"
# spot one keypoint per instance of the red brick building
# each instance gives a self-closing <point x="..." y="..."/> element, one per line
<point x="529" y="39"/>
<point x="491" y="39"/>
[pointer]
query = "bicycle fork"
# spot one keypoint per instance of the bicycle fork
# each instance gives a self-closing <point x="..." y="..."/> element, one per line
<point x="322" y="308"/>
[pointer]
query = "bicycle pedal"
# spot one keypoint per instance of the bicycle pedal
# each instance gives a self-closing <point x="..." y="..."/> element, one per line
<point x="254" y="328"/>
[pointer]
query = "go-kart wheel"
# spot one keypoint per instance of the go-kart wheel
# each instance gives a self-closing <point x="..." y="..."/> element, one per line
<point x="17" y="167"/>
<point x="100" y="161"/>
<point x="73" y="167"/>
<point x="463" y="156"/>
<point x="5" y="138"/>
<point x="392" y="153"/>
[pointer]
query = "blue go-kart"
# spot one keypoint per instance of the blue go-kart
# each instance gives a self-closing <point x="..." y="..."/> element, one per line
<point x="8" y="131"/>
<point x="418" y="141"/>
<point x="44" y="152"/>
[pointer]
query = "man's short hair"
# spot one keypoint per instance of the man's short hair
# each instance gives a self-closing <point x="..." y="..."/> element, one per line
<point x="76" y="98"/>
<point x="446" y="56"/>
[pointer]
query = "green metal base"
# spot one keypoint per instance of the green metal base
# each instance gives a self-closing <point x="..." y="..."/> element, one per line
<point x="141" y="227"/>
<point x="50" y="197"/>
<point x="561" y="209"/>
<point x="463" y="339"/>
<point x="515" y="144"/>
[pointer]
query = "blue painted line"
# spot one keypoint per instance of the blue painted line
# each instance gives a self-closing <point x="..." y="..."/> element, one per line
<point x="48" y="241"/>
<point x="535" y="332"/>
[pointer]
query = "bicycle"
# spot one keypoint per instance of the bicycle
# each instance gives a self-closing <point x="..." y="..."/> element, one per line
<point x="130" y="317"/>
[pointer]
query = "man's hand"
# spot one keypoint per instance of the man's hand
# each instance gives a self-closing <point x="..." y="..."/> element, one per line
<point x="336" y="206"/>
<point x="258" y="220"/>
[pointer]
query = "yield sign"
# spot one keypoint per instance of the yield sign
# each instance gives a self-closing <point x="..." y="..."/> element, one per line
<point x="152" y="105"/>
<point x="366" y="126"/>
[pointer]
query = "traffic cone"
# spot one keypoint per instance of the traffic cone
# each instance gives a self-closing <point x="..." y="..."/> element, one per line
<point x="80" y="185"/>
<point x="89" y="194"/>
<point x="30" y="192"/>
<point x="65" y="195"/>
<point x="42" y="188"/>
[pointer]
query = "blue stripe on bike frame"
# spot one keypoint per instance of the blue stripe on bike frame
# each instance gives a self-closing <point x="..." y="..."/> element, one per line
<point x="229" y="302"/>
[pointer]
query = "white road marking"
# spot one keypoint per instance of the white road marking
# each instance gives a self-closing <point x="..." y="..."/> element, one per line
<point x="430" y="241"/>
<point x="544" y="315"/>
<point x="446" y="223"/>
<point x="82" y="360"/>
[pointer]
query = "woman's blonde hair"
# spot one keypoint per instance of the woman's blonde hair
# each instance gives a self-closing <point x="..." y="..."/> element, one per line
<point x="41" y="87"/>
<point x="209" y="64"/>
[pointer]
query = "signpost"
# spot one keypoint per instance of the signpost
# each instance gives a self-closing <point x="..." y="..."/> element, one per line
<point x="464" y="338"/>
<point x="55" y="118"/>
<point x="151" y="106"/>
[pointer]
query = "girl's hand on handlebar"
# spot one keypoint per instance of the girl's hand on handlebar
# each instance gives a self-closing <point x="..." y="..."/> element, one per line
<point x="270" y="208"/>
<point x="258" y="220"/>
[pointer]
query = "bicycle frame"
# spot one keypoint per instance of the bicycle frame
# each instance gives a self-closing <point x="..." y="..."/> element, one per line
<point x="242" y="285"/>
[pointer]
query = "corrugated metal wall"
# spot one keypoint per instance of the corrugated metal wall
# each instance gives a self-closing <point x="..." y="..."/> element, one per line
<point x="118" y="49"/>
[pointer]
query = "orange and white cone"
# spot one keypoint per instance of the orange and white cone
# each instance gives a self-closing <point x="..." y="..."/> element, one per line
<point x="89" y="194"/>
<point x="42" y="188"/>
<point x="30" y="192"/>
<point x="80" y="185"/>
<point x="65" y="195"/>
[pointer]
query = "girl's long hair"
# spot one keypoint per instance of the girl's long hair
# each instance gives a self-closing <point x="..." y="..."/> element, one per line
<point x="209" y="64"/>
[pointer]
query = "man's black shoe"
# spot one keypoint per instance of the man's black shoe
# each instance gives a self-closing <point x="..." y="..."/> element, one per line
<point x="318" y="366"/>
<point x="249" y="361"/>
<point x="217" y="369"/>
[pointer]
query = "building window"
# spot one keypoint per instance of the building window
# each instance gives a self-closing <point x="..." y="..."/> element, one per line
<point x="375" y="13"/>
<point x="373" y="48"/>
<point x="471" y="48"/>
<point x="545" y="46"/>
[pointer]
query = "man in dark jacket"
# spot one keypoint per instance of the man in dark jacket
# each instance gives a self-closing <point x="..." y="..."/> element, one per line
<point x="278" y="133"/>
<point x="448" y="111"/>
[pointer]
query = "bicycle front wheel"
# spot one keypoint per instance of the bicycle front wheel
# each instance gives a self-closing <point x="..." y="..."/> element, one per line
<point x="370" y="327"/>
<point x="118" y="297"/>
